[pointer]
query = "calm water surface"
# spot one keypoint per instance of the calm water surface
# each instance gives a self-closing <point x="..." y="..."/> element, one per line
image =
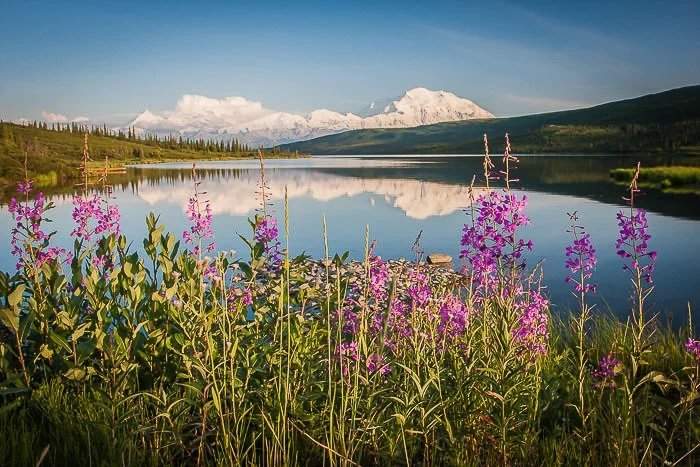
<point x="397" y="197"/>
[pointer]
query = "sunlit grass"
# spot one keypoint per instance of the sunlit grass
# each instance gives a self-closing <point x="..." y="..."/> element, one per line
<point x="676" y="179"/>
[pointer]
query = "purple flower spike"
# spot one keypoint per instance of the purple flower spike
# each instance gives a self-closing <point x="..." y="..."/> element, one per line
<point x="693" y="348"/>
<point x="419" y="290"/>
<point x="608" y="368"/>
<point x="580" y="258"/>
<point x="239" y="295"/>
<point x="267" y="234"/>
<point x="201" y="220"/>
<point x="633" y="243"/>
<point x="533" y="321"/>
<point x="378" y="279"/>
<point x="24" y="187"/>
<point x="377" y="363"/>
<point x="490" y="243"/>
<point x="93" y="216"/>
<point x="454" y="317"/>
<point x="29" y="242"/>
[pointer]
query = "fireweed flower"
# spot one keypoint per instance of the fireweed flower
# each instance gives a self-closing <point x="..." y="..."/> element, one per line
<point x="377" y="363"/>
<point x="242" y="296"/>
<point x="581" y="260"/>
<point x="375" y="280"/>
<point x="349" y="317"/>
<point x="267" y="234"/>
<point x="632" y="244"/>
<point x="693" y="348"/>
<point x="105" y="218"/>
<point x="608" y="368"/>
<point x="348" y="354"/>
<point x="490" y="243"/>
<point x="378" y="279"/>
<point x="348" y="350"/>
<point x="394" y="326"/>
<point x="24" y="187"/>
<point x="201" y="220"/>
<point x="110" y="220"/>
<point x="29" y="242"/>
<point x="454" y="317"/>
<point x="99" y="261"/>
<point x="247" y="297"/>
<point x="418" y="291"/>
<point x="532" y="331"/>
<point x="52" y="255"/>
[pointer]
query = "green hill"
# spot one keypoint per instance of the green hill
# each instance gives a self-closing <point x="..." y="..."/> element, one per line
<point x="668" y="121"/>
<point x="53" y="155"/>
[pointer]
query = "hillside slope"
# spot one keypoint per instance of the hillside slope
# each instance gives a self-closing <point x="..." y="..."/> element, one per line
<point x="53" y="156"/>
<point x="666" y="121"/>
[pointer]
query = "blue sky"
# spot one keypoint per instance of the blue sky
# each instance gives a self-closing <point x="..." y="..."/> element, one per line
<point x="103" y="59"/>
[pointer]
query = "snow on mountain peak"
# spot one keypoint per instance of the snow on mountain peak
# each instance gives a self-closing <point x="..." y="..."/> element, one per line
<point x="146" y="119"/>
<point x="438" y="106"/>
<point x="252" y="123"/>
<point x="421" y="92"/>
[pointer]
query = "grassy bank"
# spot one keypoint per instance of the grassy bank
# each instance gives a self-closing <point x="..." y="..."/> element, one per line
<point x="672" y="178"/>
<point x="181" y="355"/>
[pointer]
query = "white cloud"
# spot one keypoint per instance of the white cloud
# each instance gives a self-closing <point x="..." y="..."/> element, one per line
<point x="252" y="123"/>
<point x="51" y="117"/>
<point x="193" y="112"/>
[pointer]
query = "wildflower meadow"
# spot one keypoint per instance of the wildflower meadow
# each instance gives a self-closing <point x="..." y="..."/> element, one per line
<point x="163" y="350"/>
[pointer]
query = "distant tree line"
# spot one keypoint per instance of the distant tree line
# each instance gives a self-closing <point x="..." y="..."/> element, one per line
<point x="174" y="142"/>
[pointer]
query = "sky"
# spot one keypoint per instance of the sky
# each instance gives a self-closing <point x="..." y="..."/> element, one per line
<point x="108" y="61"/>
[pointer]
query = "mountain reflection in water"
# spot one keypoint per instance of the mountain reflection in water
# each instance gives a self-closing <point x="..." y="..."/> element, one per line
<point x="399" y="196"/>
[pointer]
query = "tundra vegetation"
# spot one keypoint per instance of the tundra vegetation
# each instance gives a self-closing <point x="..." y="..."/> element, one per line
<point x="171" y="352"/>
<point x="56" y="148"/>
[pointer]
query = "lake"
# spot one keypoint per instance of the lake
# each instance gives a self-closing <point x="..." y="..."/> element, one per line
<point x="399" y="196"/>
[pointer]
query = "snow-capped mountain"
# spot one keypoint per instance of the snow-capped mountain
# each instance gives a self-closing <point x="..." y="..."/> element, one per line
<point x="251" y="123"/>
<point x="376" y="107"/>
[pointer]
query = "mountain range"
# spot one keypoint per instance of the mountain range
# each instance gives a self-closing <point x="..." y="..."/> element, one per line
<point x="248" y="121"/>
<point x="668" y="121"/>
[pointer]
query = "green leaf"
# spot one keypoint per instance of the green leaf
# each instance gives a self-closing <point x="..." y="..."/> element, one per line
<point x="10" y="391"/>
<point x="75" y="374"/>
<point x="138" y="328"/>
<point x="26" y="324"/>
<point x="46" y="352"/>
<point x="59" y="340"/>
<point x="247" y="270"/>
<point x="16" y="296"/>
<point x="86" y="349"/>
<point x="156" y="297"/>
<point x="10" y="318"/>
<point x="170" y="292"/>
<point x="80" y="331"/>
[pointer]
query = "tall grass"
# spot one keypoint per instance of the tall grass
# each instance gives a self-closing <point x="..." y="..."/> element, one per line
<point x="114" y="357"/>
